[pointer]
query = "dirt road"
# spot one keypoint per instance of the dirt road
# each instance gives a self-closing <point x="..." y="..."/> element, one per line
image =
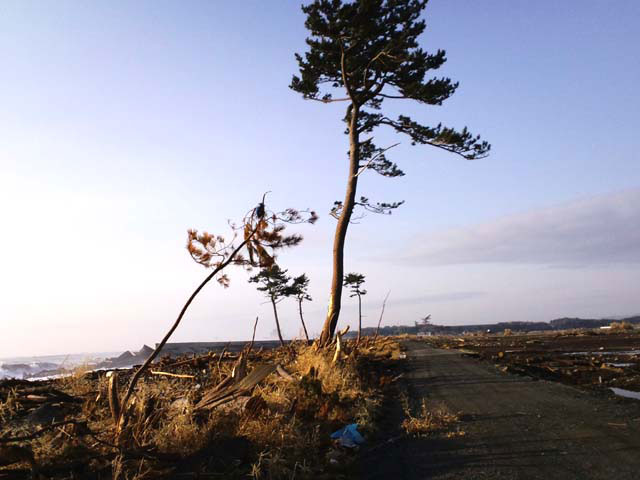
<point x="515" y="427"/>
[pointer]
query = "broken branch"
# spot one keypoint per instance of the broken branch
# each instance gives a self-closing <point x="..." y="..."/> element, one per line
<point x="384" y="303"/>
<point x="140" y="371"/>
<point x="176" y="375"/>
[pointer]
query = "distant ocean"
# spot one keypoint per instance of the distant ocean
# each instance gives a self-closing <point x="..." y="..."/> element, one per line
<point x="29" y="367"/>
<point x="43" y="366"/>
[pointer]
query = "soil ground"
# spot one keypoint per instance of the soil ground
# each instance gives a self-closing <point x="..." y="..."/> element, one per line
<point x="515" y="427"/>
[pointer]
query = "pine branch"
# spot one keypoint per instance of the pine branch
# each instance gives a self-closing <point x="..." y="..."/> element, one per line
<point x="378" y="155"/>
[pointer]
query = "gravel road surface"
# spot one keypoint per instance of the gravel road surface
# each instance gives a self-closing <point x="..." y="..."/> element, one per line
<point x="514" y="427"/>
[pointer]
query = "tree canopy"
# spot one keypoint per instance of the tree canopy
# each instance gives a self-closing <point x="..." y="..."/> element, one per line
<point x="273" y="281"/>
<point x="369" y="49"/>
<point x="354" y="281"/>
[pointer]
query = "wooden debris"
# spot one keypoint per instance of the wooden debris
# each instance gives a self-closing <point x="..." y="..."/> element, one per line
<point x="114" y="401"/>
<point x="175" y="375"/>
<point x="224" y="350"/>
<point x="284" y="374"/>
<point x="240" y="368"/>
<point x="253" y="337"/>
<point x="39" y="395"/>
<point x="339" y="335"/>
<point x="37" y="398"/>
<point x="193" y="361"/>
<point x="234" y="390"/>
<point x="336" y="356"/>
<point x="384" y="304"/>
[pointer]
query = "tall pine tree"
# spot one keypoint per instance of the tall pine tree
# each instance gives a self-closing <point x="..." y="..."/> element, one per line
<point x="367" y="52"/>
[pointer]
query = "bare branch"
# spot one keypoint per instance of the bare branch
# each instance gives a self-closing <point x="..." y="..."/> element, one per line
<point x="446" y="148"/>
<point x="253" y="337"/>
<point x="372" y="159"/>
<point x="378" y="207"/>
<point x="394" y="96"/>
<point x="176" y="375"/>
<point x="328" y="100"/>
<point x="466" y="147"/>
<point x="344" y="75"/>
<point x="376" y="91"/>
<point x="366" y="69"/>
<point x="384" y="303"/>
<point x="145" y="365"/>
<point x="336" y="211"/>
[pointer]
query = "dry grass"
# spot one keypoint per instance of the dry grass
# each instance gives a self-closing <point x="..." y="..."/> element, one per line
<point x="621" y="327"/>
<point x="429" y="419"/>
<point x="9" y="406"/>
<point x="280" y="432"/>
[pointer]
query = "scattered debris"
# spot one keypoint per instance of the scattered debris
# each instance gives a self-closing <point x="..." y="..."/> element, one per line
<point x="339" y="341"/>
<point x="189" y="407"/>
<point x="114" y="401"/>
<point x="175" y="375"/>
<point x="590" y="359"/>
<point x="284" y="374"/>
<point x="626" y="393"/>
<point x="348" y="437"/>
<point x="231" y="391"/>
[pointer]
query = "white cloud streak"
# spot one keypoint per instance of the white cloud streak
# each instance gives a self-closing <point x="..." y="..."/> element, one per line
<point x="440" y="297"/>
<point x="596" y="231"/>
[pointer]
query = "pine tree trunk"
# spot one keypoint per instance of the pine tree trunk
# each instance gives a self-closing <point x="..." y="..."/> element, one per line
<point x="302" y="320"/>
<point x="275" y="314"/>
<point x="335" y="295"/>
<point x="359" y="319"/>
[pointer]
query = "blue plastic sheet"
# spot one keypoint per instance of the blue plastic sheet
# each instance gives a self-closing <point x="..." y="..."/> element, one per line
<point x="348" y="436"/>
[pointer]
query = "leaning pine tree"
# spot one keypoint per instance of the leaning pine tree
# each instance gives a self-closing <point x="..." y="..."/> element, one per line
<point x="254" y="243"/>
<point x="368" y="51"/>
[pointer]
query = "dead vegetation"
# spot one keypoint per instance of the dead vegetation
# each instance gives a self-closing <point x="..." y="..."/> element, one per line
<point x="621" y="327"/>
<point x="262" y="415"/>
<point x="429" y="419"/>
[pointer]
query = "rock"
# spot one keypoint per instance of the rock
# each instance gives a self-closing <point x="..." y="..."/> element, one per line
<point x="126" y="356"/>
<point x="145" y="352"/>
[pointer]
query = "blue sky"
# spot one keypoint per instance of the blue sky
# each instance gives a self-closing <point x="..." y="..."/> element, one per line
<point x="125" y="123"/>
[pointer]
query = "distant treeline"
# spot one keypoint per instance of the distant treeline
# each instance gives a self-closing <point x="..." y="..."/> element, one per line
<point x="557" y="324"/>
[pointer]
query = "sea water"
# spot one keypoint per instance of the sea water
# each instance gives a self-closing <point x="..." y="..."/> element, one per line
<point x="30" y="367"/>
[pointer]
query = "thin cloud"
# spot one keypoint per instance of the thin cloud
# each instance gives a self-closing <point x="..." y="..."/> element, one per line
<point x="438" y="298"/>
<point x="595" y="231"/>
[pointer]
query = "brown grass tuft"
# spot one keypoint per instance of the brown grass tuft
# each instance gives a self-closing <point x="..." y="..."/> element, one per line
<point x="428" y="420"/>
<point x="621" y="326"/>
